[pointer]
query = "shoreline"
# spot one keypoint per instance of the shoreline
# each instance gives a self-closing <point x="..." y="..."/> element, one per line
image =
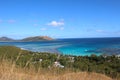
<point x="85" y="48"/>
<point x="60" y="53"/>
<point x="56" y="51"/>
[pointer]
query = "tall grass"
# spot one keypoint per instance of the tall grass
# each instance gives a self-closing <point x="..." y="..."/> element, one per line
<point x="9" y="71"/>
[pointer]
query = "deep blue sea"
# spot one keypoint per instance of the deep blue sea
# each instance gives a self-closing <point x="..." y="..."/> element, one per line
<point x="76" y="46"/>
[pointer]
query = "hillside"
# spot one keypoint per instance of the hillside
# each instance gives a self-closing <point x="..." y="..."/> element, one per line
<point x="11" y="70"/>
<point x="41" y="65"/>
<point x="35" y="38"/>
<point x="6" y="39"/>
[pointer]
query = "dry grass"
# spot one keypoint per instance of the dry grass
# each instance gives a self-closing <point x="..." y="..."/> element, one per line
<point x="8" y="71"/>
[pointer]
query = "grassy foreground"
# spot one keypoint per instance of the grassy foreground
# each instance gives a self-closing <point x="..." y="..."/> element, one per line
<point x="8" y="71"/>
<point x="17" y="64"/>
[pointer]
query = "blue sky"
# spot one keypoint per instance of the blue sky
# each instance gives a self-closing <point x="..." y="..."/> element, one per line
<point x="60" y="18"/>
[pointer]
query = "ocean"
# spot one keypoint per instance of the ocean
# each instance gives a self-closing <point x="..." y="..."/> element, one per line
<point x="72" y="46"/>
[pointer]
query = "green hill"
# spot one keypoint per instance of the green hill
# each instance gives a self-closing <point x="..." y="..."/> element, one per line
<point x="35" y="38"/>
<point x="6" y="39"/>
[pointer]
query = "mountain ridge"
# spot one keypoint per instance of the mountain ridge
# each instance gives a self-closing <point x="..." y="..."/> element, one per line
<point x="33" y="38"/>
<point x="6" y="39"/>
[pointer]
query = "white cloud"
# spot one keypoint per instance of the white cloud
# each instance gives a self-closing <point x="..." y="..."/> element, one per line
<point x="55" y="23"/>
<point x="43" y="29"/>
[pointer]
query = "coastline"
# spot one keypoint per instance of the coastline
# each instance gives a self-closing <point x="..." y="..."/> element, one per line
<point x="77" y="47"/>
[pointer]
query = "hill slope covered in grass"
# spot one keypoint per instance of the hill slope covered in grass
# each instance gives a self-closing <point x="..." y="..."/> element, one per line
<point x="8" y="71"/>
<point x="16" y="63"/>
<point x="67" y="76"/>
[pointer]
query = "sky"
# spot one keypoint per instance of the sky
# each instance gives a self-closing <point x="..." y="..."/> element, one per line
<point x="60" y="18"/>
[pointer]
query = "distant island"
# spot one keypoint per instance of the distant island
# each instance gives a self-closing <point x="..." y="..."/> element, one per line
<point x="6" y="39"/>
<point x="35" y="38"/>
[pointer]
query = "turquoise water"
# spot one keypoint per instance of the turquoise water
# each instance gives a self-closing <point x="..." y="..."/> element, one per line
<point x="71" y="50"/>
<point x="78" y="46"/>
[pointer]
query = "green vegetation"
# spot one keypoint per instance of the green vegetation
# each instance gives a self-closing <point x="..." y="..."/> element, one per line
<point x="108" y="65"/>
